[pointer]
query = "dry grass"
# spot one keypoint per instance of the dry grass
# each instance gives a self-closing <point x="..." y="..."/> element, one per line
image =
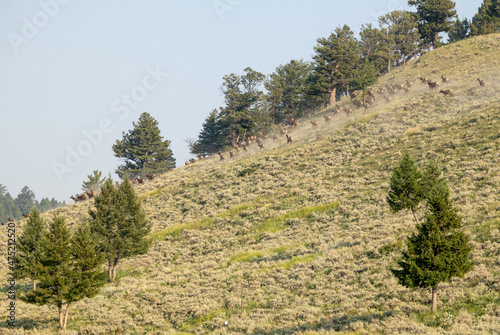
<point x="299" y="239"/>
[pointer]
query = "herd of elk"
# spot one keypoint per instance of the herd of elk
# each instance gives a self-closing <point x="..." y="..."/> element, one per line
<point x="83" y="196"/>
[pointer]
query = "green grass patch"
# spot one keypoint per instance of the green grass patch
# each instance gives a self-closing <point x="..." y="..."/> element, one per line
<point x="299" y="259"/>
<point x="246" y="256"/>
<point x="276" y="224"/>
<point x="177" y="229"/>
<point x="483" y="230"/>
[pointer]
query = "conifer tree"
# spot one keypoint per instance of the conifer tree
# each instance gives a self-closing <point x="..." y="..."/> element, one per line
<point x="286" y="90"/>
<point x="334" y="63"/>
<point x="438" y="250"/>
<point x="119" y="224"/>
<point x="433" y="17"/>
<point x="405" y="187"/>
<point x="94" y="181"/>
<point x="25" y="200"/>
<point x="143" y="148"/>
<point x="487" y="19"/>
<point x="210" y="139"/>
<point x="68" y="269"/>
<point x="460" y="31"/>
<point x="29" y="247"/>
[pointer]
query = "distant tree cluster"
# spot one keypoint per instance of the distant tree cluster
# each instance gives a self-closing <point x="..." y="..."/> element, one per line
<point x="66" y="265"/>
<point x="485" y="21"/>
<point x="14" y="209"/>
<point x="341" y="63"/>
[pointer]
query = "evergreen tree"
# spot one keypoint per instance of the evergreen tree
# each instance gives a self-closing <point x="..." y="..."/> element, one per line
<point x="25" y="200"/>
<point x="439" y="250"/>
<point x="334" y="63"/>
<point x="433" y="17"/>
<point x="405" y="187"/>
<point x="210" y="139"/>
<point x="10" y="208"/>
<point x="460" y="31"/>
<point x="376" y="46"/>
<point x="94" y="181"/>
<point x="119" y="224"/>
<point x="28" y="247"/>
<point x="242" y="113"/>
<point x="143" y="148"/>
<point x="286" y="90"/>
<point x="68" y="269"/>
<point x="364" y="76"/>
<point x="487" y="19"/>
<point x="401" y="28"/>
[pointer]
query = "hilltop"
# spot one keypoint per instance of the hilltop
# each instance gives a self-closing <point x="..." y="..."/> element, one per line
<point x="299" y="239"/>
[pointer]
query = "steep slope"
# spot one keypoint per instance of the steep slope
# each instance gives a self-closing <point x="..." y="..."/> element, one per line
<point x="299" y="238"/>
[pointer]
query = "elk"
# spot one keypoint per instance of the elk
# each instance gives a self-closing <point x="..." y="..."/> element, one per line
<point x="407" y="89"/>
<point x="90" y="194"/>
<point x="432" y="84"/>
<point x="261" y="145"/>
<point x="283" y="131"/>
<point x="358" y="103"/>
<point x="353" y="94"/>
<point x="139" y="180"/>
<point x="150" y="175"/>
<point x="446" y="92"/>
<point x="348" y="111"/>
<point x="26" y="215"/>
<point x="221" y="156"/>
<point x="423" y="80"/>
<point x="444" y="79"/>
<point x="388" y="99"/>
<point x="314" y="124"/>
<point x="327" y="118"/>
<point x="275" y="137"/>
<point x="186" y="162"/>
<point x="482" y="83"/>
<point x="231" y="154"/>
<point x="289" y="139"/>
<point x="409" y="84"/>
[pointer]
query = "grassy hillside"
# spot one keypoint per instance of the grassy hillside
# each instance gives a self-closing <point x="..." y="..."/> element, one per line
<point x="299" y="239"/>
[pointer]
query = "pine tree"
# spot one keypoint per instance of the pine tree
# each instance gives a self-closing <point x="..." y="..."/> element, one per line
<point x="94" y="181"/>
<point x="487" y="19"/>
<point x="119" y="224"/>
<point x="334" y="63"/>
<point x="286" y="90"/>
<point x="210" y="139"/>
<point x="460" y="31"/>
<point x="433" y="17"/>
<point x="402" y="31"/>
<point x="405" y="187"/>
<point x="143" y="148"/>
<point x="25" y="200"/>
<point x="28" y="247"/>
<point x="376" y="46"/>
<point x="439" y="250"/>
<point x="68" y="269"/>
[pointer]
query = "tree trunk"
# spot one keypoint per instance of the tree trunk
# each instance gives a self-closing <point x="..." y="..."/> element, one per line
<point x="115" y="266"/>
<point x="415" y="216"/>
<point x="34" y="285"/>
<point x="59" y="306"/>
<point x="66" y="315"/>
<point x="434" y="300"/>
<point x="110" y="272"/>
<point x="333" y="92"/>
<point x="389" y="66"/>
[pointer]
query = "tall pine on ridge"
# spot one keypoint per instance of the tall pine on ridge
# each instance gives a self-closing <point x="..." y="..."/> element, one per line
<point x="143" y="149"/>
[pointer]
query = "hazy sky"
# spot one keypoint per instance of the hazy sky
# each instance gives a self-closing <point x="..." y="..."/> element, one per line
<point x="74" y="74"/>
